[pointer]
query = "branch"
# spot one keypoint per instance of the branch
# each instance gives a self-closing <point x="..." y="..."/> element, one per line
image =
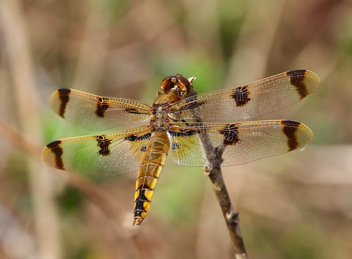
<point x="214" y="159"/>
<point x="230" y="215"/>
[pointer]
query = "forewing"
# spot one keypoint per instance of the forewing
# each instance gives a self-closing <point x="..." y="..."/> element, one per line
<point x="95" y="112"/>
<point x="103" y="154"/>
<point x="249" y="101"/>
<point x="241" y="142"/>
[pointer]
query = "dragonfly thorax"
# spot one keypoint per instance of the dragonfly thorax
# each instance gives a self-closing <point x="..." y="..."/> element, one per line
<point x="160" y="114"/>
<point x="160" y="118"/>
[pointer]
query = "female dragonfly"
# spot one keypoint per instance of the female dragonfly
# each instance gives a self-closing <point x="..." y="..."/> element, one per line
<point x="172" y="126"/>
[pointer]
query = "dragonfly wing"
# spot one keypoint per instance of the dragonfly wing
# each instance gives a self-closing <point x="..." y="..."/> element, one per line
<point x="242" y="142"/>
<point x="251" y="100"/>
<point x="103" y="154"/>
<point x="95" y="112"/>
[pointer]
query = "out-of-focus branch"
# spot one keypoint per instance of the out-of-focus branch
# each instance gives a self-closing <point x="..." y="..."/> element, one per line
<point x="21" y="70"/>
<point x="95" y="194"/>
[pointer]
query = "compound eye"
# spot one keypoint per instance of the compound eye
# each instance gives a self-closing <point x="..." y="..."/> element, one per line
<point x="184" y="84"/>
<point x="168" y="83"/>
<point x="176" y="82"/>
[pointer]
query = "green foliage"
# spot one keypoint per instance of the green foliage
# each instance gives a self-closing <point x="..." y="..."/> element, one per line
<point x="181" y="193"/>
<point x="70" y="201"/>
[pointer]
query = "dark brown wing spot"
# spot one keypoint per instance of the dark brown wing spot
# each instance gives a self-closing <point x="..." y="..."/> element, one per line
<point x="240" y="95"/>
<point x="102" y="106"/>
<point x="64" y="94"/>
<point x="57" y="150"/>
<point x="187" y="133"/>
<point x="290" y="129"/>
<point x="297" y="80"/>
<point x="143" y="149"/>
<point x="136" y="138"/>
<point x="131" y="137"/>
<point x="131" y="110"/>
<point x="103" y="144"/>
<point x="230" y="132"/>
<point x="193" y="105"/>
<point x="175" y="146"/>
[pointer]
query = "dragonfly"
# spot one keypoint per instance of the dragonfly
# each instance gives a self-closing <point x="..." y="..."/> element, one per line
<point x="174" y="125"/>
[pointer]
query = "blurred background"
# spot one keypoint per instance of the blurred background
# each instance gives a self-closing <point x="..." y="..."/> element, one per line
<point x="297" y="205"/>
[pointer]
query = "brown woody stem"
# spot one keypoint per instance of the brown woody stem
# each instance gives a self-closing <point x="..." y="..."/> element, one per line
<point x="213" y="157"/>
<point x="230" y="215"/>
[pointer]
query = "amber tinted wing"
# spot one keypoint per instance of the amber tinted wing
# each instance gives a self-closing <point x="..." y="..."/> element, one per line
<point x="243" y="142"/>
<point x="252" y="100"/>
<point x="104" y="154"/>
<point x="95" y="112"/>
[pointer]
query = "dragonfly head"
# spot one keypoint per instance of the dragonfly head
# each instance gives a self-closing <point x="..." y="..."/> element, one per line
<point x="177" y="84"/>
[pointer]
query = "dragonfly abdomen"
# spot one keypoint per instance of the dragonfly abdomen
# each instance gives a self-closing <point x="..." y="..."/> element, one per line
<point x="153" y="162"/>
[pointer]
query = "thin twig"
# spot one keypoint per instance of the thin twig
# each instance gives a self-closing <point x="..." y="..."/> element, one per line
<point x="230" y="215"/>
<point x="214" y="160"/>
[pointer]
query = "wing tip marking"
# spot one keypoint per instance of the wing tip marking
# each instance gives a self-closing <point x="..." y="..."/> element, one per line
<point x="290" y="128"/>
<point x="64" y="91"/>
<point x="64" y="95"/>
<point x="55" y="148"/>
<point x="297" y="78"/>
<point x="54" y="144"/>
